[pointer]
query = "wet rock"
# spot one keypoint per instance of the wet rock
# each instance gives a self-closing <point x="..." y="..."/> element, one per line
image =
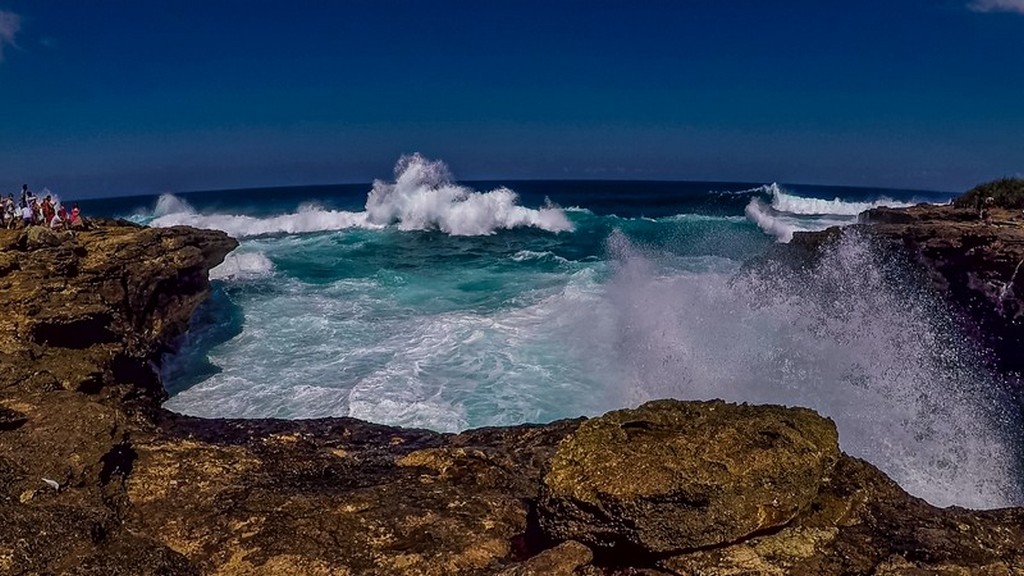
<point x="672" y="476"/>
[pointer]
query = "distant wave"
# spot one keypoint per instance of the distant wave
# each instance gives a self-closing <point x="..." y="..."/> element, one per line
<point x="793" y="204"/>
<point x="788" y="213"/>
<point x="764" y="189"/>
<point x="421" y="198"/>
<point x="306" y="219"/>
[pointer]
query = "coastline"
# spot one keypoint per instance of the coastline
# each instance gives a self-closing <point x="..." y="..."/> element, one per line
<point x="141" y="490"/>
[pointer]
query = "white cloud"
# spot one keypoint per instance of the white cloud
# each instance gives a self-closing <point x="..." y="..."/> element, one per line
<point x="10" y="24"/>
<point x="997" y="6"/>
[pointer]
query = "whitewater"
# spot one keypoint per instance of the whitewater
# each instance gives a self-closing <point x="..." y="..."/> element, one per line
<point x="419" y="301"/>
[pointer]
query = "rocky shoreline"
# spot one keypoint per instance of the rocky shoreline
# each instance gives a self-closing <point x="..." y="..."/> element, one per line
<point x="97" y="478"/>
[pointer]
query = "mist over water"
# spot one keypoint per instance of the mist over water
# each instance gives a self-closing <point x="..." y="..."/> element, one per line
<point x="421" y="302"/>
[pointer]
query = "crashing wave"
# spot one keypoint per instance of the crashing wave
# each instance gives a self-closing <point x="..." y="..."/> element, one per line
<point x="421" y="198"/>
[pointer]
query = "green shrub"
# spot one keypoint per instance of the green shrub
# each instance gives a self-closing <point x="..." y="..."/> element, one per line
<point x="1005" y="193"/>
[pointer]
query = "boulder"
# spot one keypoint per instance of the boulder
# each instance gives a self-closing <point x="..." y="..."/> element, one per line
<point x="672" y="476"/>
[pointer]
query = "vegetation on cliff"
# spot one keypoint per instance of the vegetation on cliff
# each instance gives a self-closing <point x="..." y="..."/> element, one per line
<point x="1005" y="193"/>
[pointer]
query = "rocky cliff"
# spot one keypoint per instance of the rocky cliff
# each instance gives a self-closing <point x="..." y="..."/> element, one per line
<point x="96" y="478"/>
<point x="976" y="264"/>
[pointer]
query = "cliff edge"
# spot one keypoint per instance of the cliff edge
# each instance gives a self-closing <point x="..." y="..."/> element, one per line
<point x="96" y="478"/>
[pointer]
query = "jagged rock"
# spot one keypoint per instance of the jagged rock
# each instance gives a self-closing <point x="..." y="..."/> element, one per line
<point x="672" y="476"/>
<point x="145" y="491"/>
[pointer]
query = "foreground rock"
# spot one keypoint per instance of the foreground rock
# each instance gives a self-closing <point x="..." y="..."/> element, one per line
<point x="95" y="478"/>
<point x="670" y="476"/>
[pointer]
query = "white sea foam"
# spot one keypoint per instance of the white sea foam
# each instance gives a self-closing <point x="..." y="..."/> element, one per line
<point x="703" y="218"/>
<point x="335" y="351"/>
<point x="434" y="347"/>
<point x="242" y="266"/>
<point x="528" y="255"/>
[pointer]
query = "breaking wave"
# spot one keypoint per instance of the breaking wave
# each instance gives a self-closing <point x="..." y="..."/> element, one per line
<point x="422" y="197"/>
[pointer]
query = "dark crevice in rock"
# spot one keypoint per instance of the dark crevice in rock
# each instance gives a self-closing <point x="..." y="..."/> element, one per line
<point x="532" y="541"/>
<point x="90" y="384"/>
<point x="77" y="334"/>
<point x="11" y="419"/>
<point x="118" y="461"/>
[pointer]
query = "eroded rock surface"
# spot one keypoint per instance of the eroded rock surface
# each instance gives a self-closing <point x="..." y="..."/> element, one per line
<point x="670" y="476"/>
<point x="96" y="478"/>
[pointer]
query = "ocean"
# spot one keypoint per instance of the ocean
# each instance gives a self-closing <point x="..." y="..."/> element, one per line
<point x="423" y="302"/>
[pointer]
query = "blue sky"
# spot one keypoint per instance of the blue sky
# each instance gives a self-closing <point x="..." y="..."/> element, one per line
<point x="126" y="97"/>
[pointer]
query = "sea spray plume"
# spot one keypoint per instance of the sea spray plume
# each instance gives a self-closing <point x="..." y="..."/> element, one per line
<point x="423" y="197"/>
<point x="10" y="25"/>
<point x="169" y="204"/>
<point x="852" y="337"/>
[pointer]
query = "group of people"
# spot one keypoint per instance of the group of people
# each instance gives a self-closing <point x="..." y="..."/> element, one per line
<point x="29" y="210"/>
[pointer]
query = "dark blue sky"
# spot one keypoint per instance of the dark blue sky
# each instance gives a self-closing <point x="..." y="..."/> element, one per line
<point x="106" y="97"/>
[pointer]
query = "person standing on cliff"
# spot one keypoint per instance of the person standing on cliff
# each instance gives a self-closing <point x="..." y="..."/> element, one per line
<point x="46" y="208"/>
<point x="26" y="214"/>
<point x="5" y="219"/>
<point x="76" y="217"/>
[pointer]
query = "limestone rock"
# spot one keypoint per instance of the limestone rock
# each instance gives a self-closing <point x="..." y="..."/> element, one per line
<point x="672" y="476"/>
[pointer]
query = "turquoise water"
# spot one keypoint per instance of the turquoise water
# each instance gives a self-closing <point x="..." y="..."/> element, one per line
<point x="418" y="301"/>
